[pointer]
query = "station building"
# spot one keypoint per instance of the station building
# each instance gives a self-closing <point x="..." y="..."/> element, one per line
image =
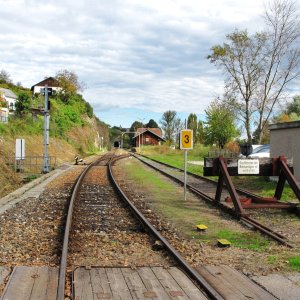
<point x="148" y="136"/>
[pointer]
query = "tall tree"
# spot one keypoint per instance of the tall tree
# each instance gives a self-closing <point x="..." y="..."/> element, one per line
<point x="200" y="133"/>
<point x="178" y="126"/>
<point x="69" y="83"/>
<point x="259" y="68"/>
<point x="192" y="124"/>
<point x="220" y="127"/>
<point x="294" y="107"/>
<point x="5" y="77"/>
<point x="152" y="124"/>
<point x="168" y="122"/>
<point x="135" y="125"/>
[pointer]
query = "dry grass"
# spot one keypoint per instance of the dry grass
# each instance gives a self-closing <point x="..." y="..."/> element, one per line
<point x="9" y="180"/>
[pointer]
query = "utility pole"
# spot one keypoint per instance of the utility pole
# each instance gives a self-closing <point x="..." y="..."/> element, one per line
<point x="46" y="167"/>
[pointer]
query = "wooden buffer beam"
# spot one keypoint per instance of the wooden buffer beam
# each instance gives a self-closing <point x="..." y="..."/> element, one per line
<point x="224" y="168"/>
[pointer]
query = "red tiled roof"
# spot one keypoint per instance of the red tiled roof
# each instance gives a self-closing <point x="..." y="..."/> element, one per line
<point x="156" y="131"/>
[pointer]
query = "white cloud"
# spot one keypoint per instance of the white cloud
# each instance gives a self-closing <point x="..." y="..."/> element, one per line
<point x="131" y="52"/>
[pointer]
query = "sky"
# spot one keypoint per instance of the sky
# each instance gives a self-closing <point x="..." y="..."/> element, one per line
<point x="137" y="58"/>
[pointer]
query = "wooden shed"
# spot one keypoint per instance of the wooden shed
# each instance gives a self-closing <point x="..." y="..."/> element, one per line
<point x="148" y="136"/>
<point x="285" y="140"/>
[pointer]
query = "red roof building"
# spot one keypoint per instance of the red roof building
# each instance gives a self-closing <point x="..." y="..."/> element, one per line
<point x="148" y="136"/>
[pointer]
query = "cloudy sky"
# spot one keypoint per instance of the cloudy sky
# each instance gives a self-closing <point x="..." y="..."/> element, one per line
<point x="138" y="58"/>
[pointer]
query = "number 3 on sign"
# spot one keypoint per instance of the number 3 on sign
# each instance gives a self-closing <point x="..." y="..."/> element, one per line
<point x="186" y="139"/>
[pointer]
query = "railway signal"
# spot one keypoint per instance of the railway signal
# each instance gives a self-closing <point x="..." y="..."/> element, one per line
<point x="46" y="91"/>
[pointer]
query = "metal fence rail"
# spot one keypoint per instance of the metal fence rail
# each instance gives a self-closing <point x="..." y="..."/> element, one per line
<point x="31" y="164"/>
<point x="3" y="119"/>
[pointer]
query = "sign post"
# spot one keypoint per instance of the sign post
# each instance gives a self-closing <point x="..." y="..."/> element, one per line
<point x="19" y="154"/>
<point x="20" y="149"/>
<point x="186" y="143"/>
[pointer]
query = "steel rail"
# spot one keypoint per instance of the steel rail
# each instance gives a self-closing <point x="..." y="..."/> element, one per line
<point x="246" y="219"/>
<point x="240" y="190"/>
<point x="64" y="255"/>
<point x="184" y="264"/>
<point x="275" y="235"/>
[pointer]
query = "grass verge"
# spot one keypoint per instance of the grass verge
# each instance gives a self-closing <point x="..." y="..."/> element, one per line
<point x="186" y="215"/>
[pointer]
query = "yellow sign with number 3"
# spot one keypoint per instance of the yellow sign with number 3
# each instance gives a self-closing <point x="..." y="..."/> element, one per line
<point x="186" y="139"/>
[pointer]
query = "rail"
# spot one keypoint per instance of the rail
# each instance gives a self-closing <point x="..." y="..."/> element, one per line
<point x="64" y="255"/>
<point x="188" y="269"/>
<point x="245" y="219"/>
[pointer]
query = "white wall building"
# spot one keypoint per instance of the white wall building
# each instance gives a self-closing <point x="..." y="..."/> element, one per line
<point x="50" y="82"/>
<point x="8" y="96"/>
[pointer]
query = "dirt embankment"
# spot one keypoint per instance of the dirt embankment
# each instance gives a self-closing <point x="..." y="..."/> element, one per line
<point x="78" y="141"/>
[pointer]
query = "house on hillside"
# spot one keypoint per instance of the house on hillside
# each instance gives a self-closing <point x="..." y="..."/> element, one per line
<point x="50" y="82"/>
<point x="8" y="99"/>
<point x="148" y="136"/>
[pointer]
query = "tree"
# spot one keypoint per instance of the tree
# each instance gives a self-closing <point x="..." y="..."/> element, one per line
<point x="23" y="104"/>
<point x="294" y="107"/>
<point x="200" y="133"/>
<point x="152" y="124"/>
<point x="169" y="121"/>
<point x="291" y="113"/>
<point x="178" y="126"/>
<point x="261" y="137"/>
<point x="192" y="124"/>
<point x="220" y="127"/>
<point x="5" y="77"/>
<point x="89" y="109"/>
<point x="135" y="125"/>
<point x="259" y="68"/>
<point x="69" y="84"/>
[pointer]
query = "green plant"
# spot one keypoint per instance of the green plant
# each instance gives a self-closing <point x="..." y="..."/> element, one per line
<point x="30" y="178"/>
<point x="294" y="263"/>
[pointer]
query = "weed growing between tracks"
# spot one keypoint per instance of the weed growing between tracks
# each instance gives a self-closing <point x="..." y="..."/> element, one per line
<point x="167" y="199"/>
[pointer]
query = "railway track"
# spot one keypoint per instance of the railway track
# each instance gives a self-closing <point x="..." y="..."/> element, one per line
<point x="205" y="188"/>
<point x="88" y="219"/>
<point x="109" y="254"/>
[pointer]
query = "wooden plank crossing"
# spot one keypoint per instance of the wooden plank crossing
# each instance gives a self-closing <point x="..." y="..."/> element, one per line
<point x="31" y="283"/>
<point x="139" y="283"/>
<point x="232" y="284"/>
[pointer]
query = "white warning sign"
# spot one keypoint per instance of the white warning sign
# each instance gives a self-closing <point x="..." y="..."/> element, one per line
<point x="248" y="166"/>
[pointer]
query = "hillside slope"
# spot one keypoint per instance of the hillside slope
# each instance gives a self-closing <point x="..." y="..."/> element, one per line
<point x="74" y="130"/>
<point x="82" y="141"/>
